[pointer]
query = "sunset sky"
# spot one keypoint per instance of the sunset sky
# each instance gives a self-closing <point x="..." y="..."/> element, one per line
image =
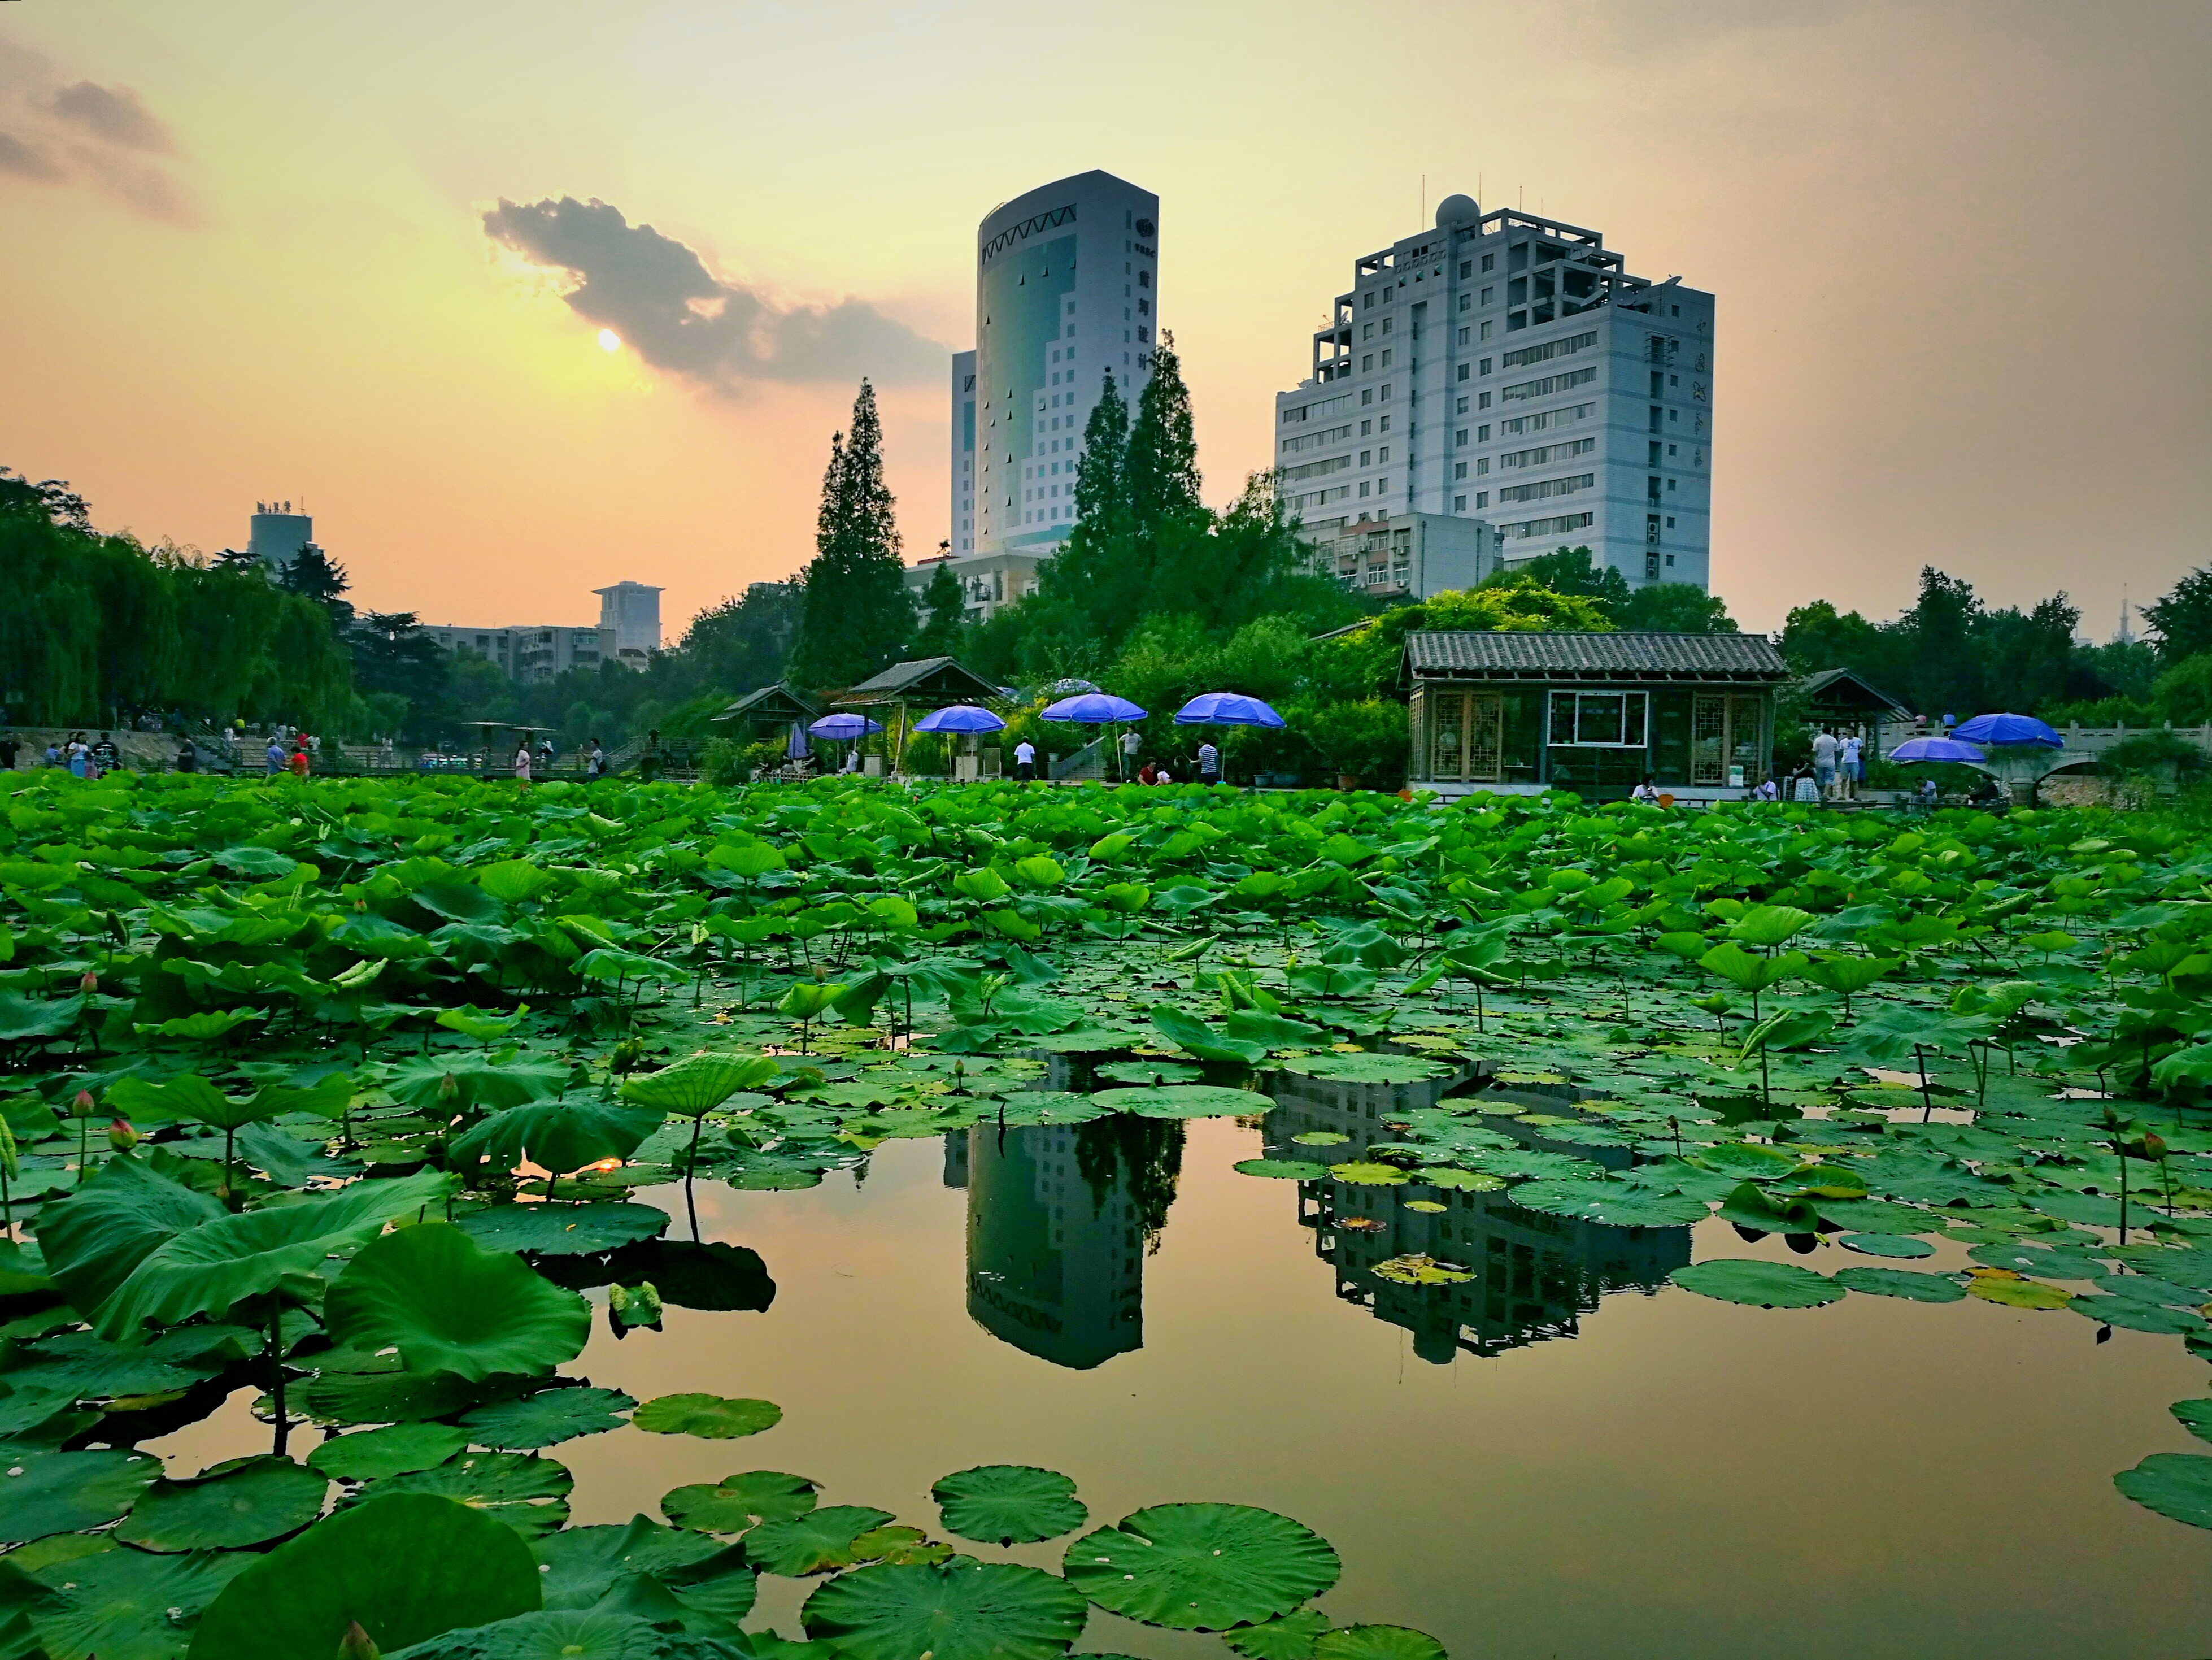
<point x="260" y="250"/>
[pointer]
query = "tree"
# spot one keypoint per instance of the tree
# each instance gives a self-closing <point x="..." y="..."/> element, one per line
<point x="1676" y="608"/>
<point x="312" y="574"/>
<point x="1947" y="673"/>
<point x="947" y="606"/>
<point x="1572" y="571"/>
<point x="741" y="644"/>
<point x="1818" y="637"/>
<point x="392" y="654"/>
<point x="859" y="613"/>
<point x="2182" y="620"/>
<point x="1101" y="492"/>
<point x="1160" y="475"/>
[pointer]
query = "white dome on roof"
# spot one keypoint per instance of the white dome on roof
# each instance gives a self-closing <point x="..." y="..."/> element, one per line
<point x="1456" y="210"/>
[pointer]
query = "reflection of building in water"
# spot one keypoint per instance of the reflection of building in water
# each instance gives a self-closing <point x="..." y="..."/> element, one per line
<point x="1535" y="1276"/>
<point x="1059" y="1219"/>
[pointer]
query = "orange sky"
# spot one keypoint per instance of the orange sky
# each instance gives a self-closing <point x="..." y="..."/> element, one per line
<point x="1958" y="252"/>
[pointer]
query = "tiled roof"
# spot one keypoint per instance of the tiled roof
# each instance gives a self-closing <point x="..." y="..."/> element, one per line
<point x="936" y="676"/>
<point x="774" y="700"/>
<point x="1453" y="656"/>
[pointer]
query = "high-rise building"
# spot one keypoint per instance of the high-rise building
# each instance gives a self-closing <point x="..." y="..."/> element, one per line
<point x="276" y="534"/>
<point x="1506" y="366"/>
<point x="632" y="610"/>
<point x="1066" y="292"/>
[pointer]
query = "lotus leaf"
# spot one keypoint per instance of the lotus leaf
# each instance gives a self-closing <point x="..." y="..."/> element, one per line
<point x="738" y="1502"/>
<point x="581" y="1564"/>
<point x="128" y="1605"/>
<point x="1420" y="1269"/>
<point x="1762" y="1285"/>
<point x="2127" y="1312"/>
<point x="1902" y="1282"/>
<point x="1288" y="1638"/>
<point x="1614" y="1203"/>
<point x="1366" y="1174"/>
<point x="2195" y="1417"/>
<point x="546" y="1419"/>
<point x="573" y="1634"/>
<point x="1461" y="1181"/>
<point x="248" y="1501"/>
<point x="1876" y="1216"/>
<point x="93" y="1238"/>
<point x="1189" y="1033"/>
<point x="1289" y="1170"/>
<point x="393" y="1451"/>
<point x="1201" y="1567"/>
<point x="1009" y="1504"/>
<point x="1886" y="1244"/>
<point x="959" y="1610"/>
<point x="1183" y="1101"/>
<point x="1367" y="1069"/>
<point x="710" y="1417"/>
<point x="2174" y="1484"/>
<point x="563" y="1134"/>
<point x="562" y="1230"/>
<point x="1376" y="1643"/>
<point x="812" y="1543"/>
<point x="2017" y="1293"/>
<point x="526" y="1493"/>
<point x="447" y="1304"/>
<point x="381" y="1393"/>
<point x="47" y="1492"/>
<point x="406" y="1568"/>
<point x="699" y="1083"/>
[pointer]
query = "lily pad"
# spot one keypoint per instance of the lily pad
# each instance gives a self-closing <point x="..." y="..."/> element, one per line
<point x="546" y="1419"/>
<point x="2126" y="1311"/>
<point x="709" y="1417"/>
<point x="393" y="1451"/>
<point x="1762" y="1285"/>
<point x="562" y="1230"/>
<point x="1321" y="1139"/>
<point x="1876" y="1216"/>
<point x="449" y="1305"/>
<point x="1009" y="1504"/>
<point x="1184" y="1101"/>
<point x="384" y="1394"/>
<point x="571" y="1634"/>
<point x="813" y="1543"/>
<point x="1376" y="1643"/>
<point x="962" y="1610"/>
<point x="1151" y="1072"/>
<point x="1201" y="1567"/>
<point x="1897" y="1245"/>
<point x="1286" y="1170"/>
<point x="528" y="1493"/>
<point x="1420" y="1269"/>
<point x="46" y="1493"/>
<point x="1288" y="1638"/>
<point x="738" y="1502"/>
<point x="406" y="1567"/>
<point x="1460" y="1181"/>
<point x="2174" y="1484"/>
<point x="128" y="1604"/>
<point x="1365" y="1173"/>
<point x="247" y="1502"/>
<point x="1902" y="1282"/>
<point x="2195" y="1417"/>
<point x="2015" y="1293"/>
<point x="581" y="1564"/>
<point x="1614" y="1203"/>
<point x="1367" y="1068"/>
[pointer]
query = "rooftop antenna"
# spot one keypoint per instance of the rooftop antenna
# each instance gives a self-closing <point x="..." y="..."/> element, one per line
<point x="1424" y="218"/>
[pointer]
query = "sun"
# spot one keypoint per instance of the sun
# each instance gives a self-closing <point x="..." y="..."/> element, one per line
<point x="610" y="341"/>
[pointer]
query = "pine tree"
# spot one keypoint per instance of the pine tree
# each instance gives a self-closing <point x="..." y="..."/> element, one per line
<point x="1161" y="474"/>
<point x="313" y="575"/>
<point x="859" y="612"/>
<point x="1101" y="499"/>
<point x="948" y="614"/>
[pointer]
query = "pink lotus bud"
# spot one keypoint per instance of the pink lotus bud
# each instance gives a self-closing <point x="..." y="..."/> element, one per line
<point x="2153" y="1145"/>
<point x="89" y="983"/>
<point x="358" y="1645"/>
<point x="82" y="1105"/>
<point x="122" y="1137"/>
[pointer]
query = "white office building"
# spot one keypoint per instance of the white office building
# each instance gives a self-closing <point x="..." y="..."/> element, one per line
<point x="1506" y="367"/>
<point x="1067" y="290"/>
<point x="276" y="535"/>
<point x="632" y="610"/>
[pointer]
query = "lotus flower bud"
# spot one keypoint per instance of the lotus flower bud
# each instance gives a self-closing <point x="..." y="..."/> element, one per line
<point x="2153" y="1145"/>
<point x="358" y="1645"/>
<point x="448" y="1088"/>
<point x="89" y="982"/>
<point x="122" y="1137"/>
<point x="82" y="1104"/>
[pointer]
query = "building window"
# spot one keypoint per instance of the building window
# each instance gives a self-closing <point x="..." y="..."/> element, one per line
<point x="1367" y="362"/>
<point x="1465" y="269"/>
<point x="1459" y="439"/>
<point x="1482" y="435"/>
<point x="1363" y="488"/>
<point x="1481" y="499"/>
<point x="1459" y="504"/>
<point x="1385" y="396"/>
<point x="1487" y="327"/>
<point x="1367" y="330"/>
<point x="1463" y="337"/>
<point x="1482" y="400"/>
<point x="1367" y="458"/>
<point x="1459" y="470"/>
<point x="1386" y="326"/>
<point x="1463" y="368"/>
<point x="1382" y="454"/>
<point x="1599" y="719"/>
<point x="1386" y="359"/>
<point x="1489" y="263"/>
<point x="1483" y="368"/>
<point x="1488" y="296"/>
<point x="1466" y="302"/>
<point x="1368" y="396"/>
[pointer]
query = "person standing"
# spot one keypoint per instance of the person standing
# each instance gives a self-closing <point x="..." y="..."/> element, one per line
<point x="595" y="764"/>
<point x="188" y="757"/>
<point x="9" y="751"/>
<point x="273" y="758"/>
<point x="80" y="756"/>
<point x="1131" y="743"/>
<point x="1209" y="763"/>
<point x="301" y="764"/>
<point x="1825" y="748"/>
<point x="1025" y="761"/>
<point x="522" y="763"/>
<point x="104" y="755"/>
<point x="1854" y="767"/>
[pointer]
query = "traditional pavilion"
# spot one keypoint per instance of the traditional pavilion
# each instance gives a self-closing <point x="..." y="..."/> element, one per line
<point x="1597" y="714"/>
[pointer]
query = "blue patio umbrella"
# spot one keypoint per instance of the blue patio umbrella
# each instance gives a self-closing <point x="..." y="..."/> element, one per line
<point x="1936" y="748"/>
<point x="797" y="749"/>
<point x="1226" y="708"/>
<point x="2002" y="729"/>
<point x="1093" y="709"/>
<point x="960" y="717"/>
<point x="843" y="726"/>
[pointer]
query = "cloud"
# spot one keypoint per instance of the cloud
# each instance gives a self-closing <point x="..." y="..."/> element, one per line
<point x="58" y="131"/>
<point x="659" y="295"/>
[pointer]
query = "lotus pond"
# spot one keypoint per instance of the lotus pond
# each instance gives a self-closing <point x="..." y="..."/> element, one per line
<point x="666" y="1222"/>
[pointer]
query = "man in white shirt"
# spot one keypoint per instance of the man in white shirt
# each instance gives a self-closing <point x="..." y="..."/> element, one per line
<point x="1131" y="743"/>
<point x="1853" y="768"/>
<point x="1025" y="761"/>
<point x="1209" y="763"/>
<point x="1825" y="748"/>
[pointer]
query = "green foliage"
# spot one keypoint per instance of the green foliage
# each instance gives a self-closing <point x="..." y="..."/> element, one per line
<point x="447" y="1304"/>
<point x="858" y="616"/>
